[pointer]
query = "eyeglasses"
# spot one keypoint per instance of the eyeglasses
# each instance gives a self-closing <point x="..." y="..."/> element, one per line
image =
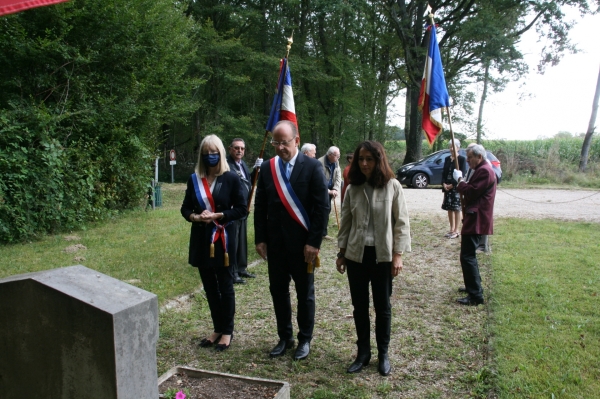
<point x="239" y="148"/>
<point x="284" y="143"/>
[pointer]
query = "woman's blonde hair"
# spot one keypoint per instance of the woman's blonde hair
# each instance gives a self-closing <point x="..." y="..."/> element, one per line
<point x="212" y="142"/>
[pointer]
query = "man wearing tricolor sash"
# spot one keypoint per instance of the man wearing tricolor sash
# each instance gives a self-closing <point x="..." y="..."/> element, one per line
<point x="290" y="212"/>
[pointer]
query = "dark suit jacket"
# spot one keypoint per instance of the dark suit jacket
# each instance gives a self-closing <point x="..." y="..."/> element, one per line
<point x="449" y="167"/>
<point x="246" y="181"/>
<point x="230" y="201"/>
<point x="479" y="193"/>
<point x="273" y="224"/>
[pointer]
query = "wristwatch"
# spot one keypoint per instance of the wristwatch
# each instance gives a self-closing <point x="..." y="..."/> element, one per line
<point x="340" y="254"/>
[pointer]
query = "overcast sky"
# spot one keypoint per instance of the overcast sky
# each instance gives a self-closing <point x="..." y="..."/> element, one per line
<point x="542" y="105"/>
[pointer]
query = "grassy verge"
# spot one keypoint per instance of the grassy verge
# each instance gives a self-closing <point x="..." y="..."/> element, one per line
<point x="546" y="326"/>
<point x="146" y="249"/>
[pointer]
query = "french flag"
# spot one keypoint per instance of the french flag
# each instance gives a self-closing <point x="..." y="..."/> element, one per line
<point x="283" y="108"/>
<point x="12" y="6"/>
<point x="433" y="97"/>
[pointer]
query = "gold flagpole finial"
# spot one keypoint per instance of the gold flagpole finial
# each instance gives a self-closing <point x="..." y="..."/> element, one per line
<point x="290" y="41"/>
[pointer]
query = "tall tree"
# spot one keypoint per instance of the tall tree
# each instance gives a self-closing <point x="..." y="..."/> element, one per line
<point x="467" y="28"/>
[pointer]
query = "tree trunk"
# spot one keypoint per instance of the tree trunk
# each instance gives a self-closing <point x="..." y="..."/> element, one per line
<point x="486" y="77"/>
<point x="585" y="149"/>
<point x="414" y="137"/>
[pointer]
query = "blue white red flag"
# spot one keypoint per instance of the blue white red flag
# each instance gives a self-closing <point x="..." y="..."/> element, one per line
<point x="286" y="193"/>
<point x="433" y="97"/>
<point x="12" y="6"/>
<point x="283" y="108"/>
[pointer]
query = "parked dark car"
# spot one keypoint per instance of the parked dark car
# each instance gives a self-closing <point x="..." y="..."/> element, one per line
<point x="428" y="170"/>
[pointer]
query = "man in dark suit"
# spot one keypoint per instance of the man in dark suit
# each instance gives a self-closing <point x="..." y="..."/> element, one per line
<point x="237" y="165"/>
<point x="287" y="244"/>
<point x="479" y="194"/>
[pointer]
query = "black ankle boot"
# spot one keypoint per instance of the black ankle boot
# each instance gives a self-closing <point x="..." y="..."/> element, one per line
<point x="362" y="360"/>
<point x="384" y="365"/>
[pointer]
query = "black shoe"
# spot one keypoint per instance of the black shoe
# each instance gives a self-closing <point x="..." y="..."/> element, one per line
<point x="238" y="280"/>
<point x="205" y="343"/>
<point x="281" y="347"/>
<point x="462" y="289"/>
<point x="222" y="347"/>
<point x="360" y="362"/>
<point x="302" y="350"/>
<point x="247" y="275"/>
<point x="384" y="365"/>
<point x="468" y="301"/>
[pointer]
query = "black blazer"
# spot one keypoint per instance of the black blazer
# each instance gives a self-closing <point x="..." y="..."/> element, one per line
<point x="229" y="200"/>
<point x="449" y="167"/>
<point x="273" y="224"/>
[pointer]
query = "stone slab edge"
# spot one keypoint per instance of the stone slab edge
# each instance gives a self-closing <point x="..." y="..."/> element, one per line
<point x="283" y="393"/>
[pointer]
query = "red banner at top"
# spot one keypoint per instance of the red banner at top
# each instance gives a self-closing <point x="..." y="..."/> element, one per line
<point x="12" y="6"/>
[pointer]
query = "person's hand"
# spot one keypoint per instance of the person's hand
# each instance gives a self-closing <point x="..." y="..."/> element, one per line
<point x="206" y="216"/>
<point x="457" y="174"/>
<point x="340" y="264"/>
<point x="261" y="249"/>
<point x="333" y="193"/>
<point x="310" y="253"/>
<point x="396" y="264"/>
<point x="258" y="162"/>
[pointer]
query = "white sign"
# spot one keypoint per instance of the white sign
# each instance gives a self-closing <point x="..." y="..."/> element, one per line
<point x="172" y="156"/>
<point x="173" y="162"/>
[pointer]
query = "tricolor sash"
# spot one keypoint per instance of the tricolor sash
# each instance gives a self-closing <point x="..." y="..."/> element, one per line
<point x="203" y="193"/>
<point x="207" y="202"/>
<point x="286" y="193"/>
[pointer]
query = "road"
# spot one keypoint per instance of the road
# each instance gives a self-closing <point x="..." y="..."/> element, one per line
<point x="583" y="205"/>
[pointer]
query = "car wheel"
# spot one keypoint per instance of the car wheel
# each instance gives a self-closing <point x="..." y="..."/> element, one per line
<point x="420" y="180"/>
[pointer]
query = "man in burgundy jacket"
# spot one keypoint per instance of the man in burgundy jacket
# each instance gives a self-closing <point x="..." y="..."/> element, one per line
<point x="478" y="219"/>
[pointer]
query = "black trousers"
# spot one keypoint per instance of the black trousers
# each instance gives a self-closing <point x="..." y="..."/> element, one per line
<point x="241" y="252"/>
<point x="218" y="285"/>
<point x="282" y="269"/>
<point x="470" y="268"/>
<point x="379" y="274"/>
<point x="330" y="208"/>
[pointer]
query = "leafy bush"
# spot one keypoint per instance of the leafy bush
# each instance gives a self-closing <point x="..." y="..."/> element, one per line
<point x="86" y="87"/>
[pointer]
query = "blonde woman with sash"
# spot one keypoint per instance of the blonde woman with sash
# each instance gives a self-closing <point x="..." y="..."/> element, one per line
<point x="213" y="199"/>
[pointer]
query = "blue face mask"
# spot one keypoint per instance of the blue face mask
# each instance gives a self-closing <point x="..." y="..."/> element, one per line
<point x="211" y="160"/>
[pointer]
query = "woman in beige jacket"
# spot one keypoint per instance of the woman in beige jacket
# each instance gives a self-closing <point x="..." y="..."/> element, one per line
<point x="374" y="234"/>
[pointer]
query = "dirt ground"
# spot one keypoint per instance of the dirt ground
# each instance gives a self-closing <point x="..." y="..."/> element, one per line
<point x="583" y="205"/>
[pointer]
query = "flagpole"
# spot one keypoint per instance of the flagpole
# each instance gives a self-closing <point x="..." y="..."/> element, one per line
<point x="290" y="40"/>
<point x="454" y="150"/>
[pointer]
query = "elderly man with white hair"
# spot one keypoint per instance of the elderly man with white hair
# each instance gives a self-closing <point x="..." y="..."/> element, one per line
<point x="333" y="174"/>
<point x="310" y="150"/>
<point x="479" y="194"/>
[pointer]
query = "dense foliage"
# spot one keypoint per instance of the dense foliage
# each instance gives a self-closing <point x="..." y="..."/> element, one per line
<point x="85" y="88"/>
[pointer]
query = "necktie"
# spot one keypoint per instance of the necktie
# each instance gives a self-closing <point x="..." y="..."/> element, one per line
<point x="288" y="170"/>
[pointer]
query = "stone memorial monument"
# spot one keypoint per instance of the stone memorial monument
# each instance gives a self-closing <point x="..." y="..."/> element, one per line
<point x="76" y="333"/>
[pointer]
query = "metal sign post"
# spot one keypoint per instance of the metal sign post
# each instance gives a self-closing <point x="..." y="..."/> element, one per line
<point x="173" y="162"/>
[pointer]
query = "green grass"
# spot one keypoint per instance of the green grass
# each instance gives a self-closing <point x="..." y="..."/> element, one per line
<point x="546" y="326"/>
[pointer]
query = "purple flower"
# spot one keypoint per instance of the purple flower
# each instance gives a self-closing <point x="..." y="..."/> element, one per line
<point x="180" y="395"/>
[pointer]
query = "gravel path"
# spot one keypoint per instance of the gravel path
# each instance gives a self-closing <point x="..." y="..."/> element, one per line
<point x="581" y="205"/>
